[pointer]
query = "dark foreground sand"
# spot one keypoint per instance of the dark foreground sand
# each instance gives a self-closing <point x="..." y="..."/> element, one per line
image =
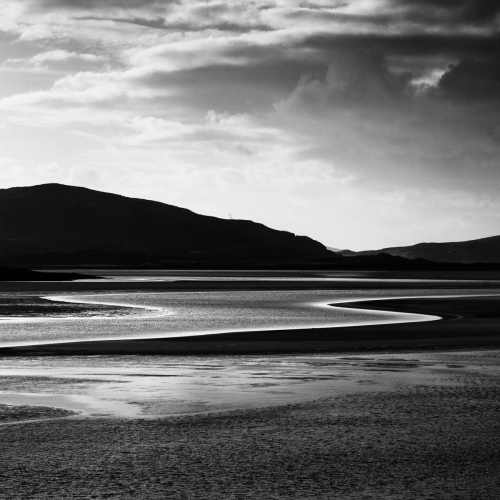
<point x="410" y="441"/>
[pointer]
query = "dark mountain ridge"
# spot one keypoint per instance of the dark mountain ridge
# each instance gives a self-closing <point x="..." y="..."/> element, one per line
<point x="484" y="250"/>
<point x="52" y="218"/>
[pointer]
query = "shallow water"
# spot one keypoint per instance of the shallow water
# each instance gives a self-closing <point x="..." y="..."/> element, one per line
<point x="148" y="386"/>
<point x="152" y="386"/>
<point x="130" y="275"/>
<point x="95" y="316"/>
<point x="165" y="314"/>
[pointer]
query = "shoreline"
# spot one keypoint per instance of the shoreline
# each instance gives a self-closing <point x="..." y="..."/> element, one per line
<point x="467" y="322"/>
<point x="246" y="285"/>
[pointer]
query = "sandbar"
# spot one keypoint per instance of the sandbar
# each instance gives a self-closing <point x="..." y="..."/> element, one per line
<point x="467" y="322"/>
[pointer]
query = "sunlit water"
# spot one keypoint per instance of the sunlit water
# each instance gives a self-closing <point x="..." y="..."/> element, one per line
<point x="166" y="314"/>
<point x="168" y="275"/>
<point x="157" y="386"/>
<point x="150" y="386"/>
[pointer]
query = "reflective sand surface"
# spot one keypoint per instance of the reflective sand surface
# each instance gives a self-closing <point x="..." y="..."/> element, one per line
<point x="416" y="426"/>
<point x="93" y="316"/>
<point x="152" y="386"/>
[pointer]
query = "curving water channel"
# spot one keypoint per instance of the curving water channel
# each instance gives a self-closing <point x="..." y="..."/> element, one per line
<point x="127" y="315"/>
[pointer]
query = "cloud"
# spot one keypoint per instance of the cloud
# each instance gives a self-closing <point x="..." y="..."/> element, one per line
<point x="63" y="55"/>
<point x="14" y="173"/>
<point x="376" y="125"/>
<point x="472" y="79"/>
<point x="85" y="176"/>
<point x="79" y="5"/>
<point x="53" y="59"/>
<point x="161" y="23"/>
<point x="409" y="44"/>
<point x="85" y="97"/>
<point x="455" y="11"/>
<point x="354" y="79"/>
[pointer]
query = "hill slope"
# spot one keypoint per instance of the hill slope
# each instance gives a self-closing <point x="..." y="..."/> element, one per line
<point x="58" y="218"/>
<point x="482" y="250"/>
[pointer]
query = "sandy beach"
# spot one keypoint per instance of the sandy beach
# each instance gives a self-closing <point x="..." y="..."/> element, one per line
<point x="416" y="417"/>
<point x="410" y="437"/>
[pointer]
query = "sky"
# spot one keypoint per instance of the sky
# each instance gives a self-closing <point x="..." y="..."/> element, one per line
<point x="360" y="123"/>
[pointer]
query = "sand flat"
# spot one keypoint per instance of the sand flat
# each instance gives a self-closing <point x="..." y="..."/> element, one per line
<point x="410" y="440"/>
<point x="16" y="411"/>
<point x="158" y="386"/>
<point x="420" y="421"/>
<point x="468" y="322"/>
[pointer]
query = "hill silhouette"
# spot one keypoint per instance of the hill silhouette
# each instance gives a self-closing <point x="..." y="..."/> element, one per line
<point x="21" y="274"/>
<point x="51" y="218"/>
<point x="484" y="250"/>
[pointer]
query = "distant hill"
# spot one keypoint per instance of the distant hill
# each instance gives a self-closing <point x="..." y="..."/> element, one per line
<point x="21" y="274"/>
<point x="387" y="262"/>
<point x="466" y="252"/>
<point x="335" y="250"/>
<point x="54" y="218"/>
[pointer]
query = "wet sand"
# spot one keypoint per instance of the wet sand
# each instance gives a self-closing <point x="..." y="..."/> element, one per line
<point x="159" y="386"/>
<point x="412" y="438"/>
<point x="398" y="436"/>
<point x="468" y="322"/>
<point x="17" y="413"/>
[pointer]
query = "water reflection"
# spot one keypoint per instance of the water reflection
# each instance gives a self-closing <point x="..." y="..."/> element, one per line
<point x="166" y="314"/>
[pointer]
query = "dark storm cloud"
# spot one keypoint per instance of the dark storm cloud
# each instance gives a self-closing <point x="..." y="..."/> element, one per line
<point x="450" y="11"/>
<point x="438" y="14"/>
<point x="328" y="15"/>
<point x="356" y="80"/>
<point x="473" y="72"/>
<point x="472" y="80"/>
<point x="378" y="119"/>
<point x="415" y="45"/>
